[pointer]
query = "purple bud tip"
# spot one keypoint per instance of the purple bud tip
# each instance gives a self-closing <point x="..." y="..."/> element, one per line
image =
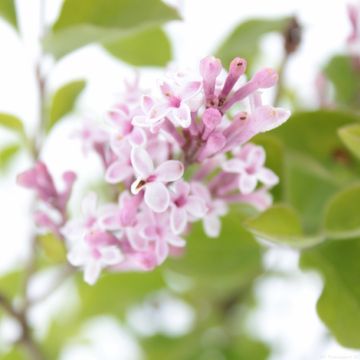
<point x="211" y="118"/>
<point x="265" y="78"/>
<point x="69" y="177"/>
<point x="237" y="66"/>
<point x="210" y="68"/>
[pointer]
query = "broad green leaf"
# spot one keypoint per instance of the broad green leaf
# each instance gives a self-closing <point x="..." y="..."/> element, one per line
<point x="53" y="247"/>
<point x="12" y="123"/>
<point x="7" y="155"/>
<point x="64" y="100"/>
<point x="315" y="134"/>
<point x="342" y="218"/>
<point x="317" y="164"/>
<point x="13" y="354"/>
<point x="339" y="304"/>
<point x="82" y="22"/>
<point x="8" y="11"/>
<point x="281" y="224"/>
<point x="234" y="254"/>
<point x="350" y="135"/>
<point x="244" y="348"/>
<point x="244" y="40"/>
<point x="346" y="80"/>
<point x="146" y="48"/>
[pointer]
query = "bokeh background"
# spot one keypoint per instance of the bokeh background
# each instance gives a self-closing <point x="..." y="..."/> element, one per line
<point x="285" y="315"/>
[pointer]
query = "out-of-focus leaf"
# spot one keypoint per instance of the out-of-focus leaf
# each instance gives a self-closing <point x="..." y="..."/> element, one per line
<point x="149" y="47"/>
<point x="317" y="164"/>
<point x="53" y="247"/>
<point x="245" y="348"/>
<point x="82" y="22"/>
<point x="64" y="100"/>
<point x="339" y="304"/>
<point x="244" y="41"/>
<point x="346" y="80"/>
<point x="350" y="135"/>
<point x="234" y="255"/>
<point x="342" y="218"/>
<point x="8" y="12"/>
<point x="10" y="283"/>
<point x="13" y="354"/>
<point x="281" y="224"/>
<point x="7" y="155"/>
<point x="11" y="123"/>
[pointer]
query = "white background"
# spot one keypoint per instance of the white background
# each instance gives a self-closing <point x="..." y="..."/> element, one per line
<point x="287" y="316"/>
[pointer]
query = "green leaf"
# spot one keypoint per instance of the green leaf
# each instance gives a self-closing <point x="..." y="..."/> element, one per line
<point x="350" y="135"/>
<point x="342" y="218"/>
<point x="82" y="22"/>
<point x="10" y="283"/>
<point x="281" y="224"/>
<point x="12" y="123"/>
<point x="234" y="254"/>
<point x="339" y="304"/>
<point x="53" y="247"/>
<point x="64" y="100"/>
<point x="7" y="155"/>
<point x="244" y="40"/>
<point x="346" y="80"/>
<point x="8" y="12"/>
<point x="145" y="48"/>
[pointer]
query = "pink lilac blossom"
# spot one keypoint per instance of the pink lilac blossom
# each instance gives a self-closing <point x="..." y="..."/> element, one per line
<point x="174" y="156"/>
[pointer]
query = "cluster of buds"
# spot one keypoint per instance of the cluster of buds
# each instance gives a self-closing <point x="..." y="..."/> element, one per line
<point x="180" y="154"/>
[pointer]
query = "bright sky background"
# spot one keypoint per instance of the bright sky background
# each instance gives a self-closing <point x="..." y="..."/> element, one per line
<point x="287" y="314"/>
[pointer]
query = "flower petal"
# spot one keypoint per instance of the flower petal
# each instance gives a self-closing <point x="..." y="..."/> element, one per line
<point x="118" y="172"/>
<point x="247" y="183"/>
<point x="161" y="250"/>
<point x="92" y="271"/>
<point x="170" y="170"/>
<point x="267" y="177"/>
<point x="233" y="166"/>
<point x="178" y="220"/>
<point x="157" y="197"/>
<point x="111" y="255"/>
<point x="141" y="162"/>
<point x="137" y="242"/>
<point x="181" y="115"/>
<point x="212" y="225"/>
<point x="196" y="206"/>
<point x="137" y="137"/>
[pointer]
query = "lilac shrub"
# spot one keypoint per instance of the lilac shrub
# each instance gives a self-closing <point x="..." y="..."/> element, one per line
<point x="180" y="154"/>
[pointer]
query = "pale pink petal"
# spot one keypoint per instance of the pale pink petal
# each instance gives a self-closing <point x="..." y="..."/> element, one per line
<point x="196" y="206"/>
<point x="137" y="242"/>
<point x="247" y="183"/>
<point x="170" y="170"/>
<point x="176" y="241"/>
<point x="233" y="166"/>
<point x="256" y="156"/>
<point x="267" y="118"/>
<point x="182" y="116"/>
<point x="220" y="207"/>
<point x="77" y="255"/>
<point x="149" y="232"/>
<point x="157" y="197"/>
<point x="190" y="89"/>
<point x="111" y="255"/>
<point x="178" y="220"/>
<point x="137" y="137"/>
<point x="267" y="177"/>
<point x="141" y="120"/>
<point x="118" y="172"/>
<point x="110" y="221"/>
<point x="212" y="225"/>
<point x="161" y="250"/>
<point x="141" y="162"/>
<point x="146" y="103"/>
<point x="181" y="188"/>
<point x="92" y="272"/>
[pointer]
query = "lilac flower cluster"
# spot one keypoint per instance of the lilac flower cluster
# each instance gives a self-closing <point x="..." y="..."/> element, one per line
<point x="179" y="155"/>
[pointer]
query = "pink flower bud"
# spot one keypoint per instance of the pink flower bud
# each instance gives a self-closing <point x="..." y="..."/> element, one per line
<point x="265" y="78"/>
<point x="211" y="118"/>
<point x="210" y="68"/>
